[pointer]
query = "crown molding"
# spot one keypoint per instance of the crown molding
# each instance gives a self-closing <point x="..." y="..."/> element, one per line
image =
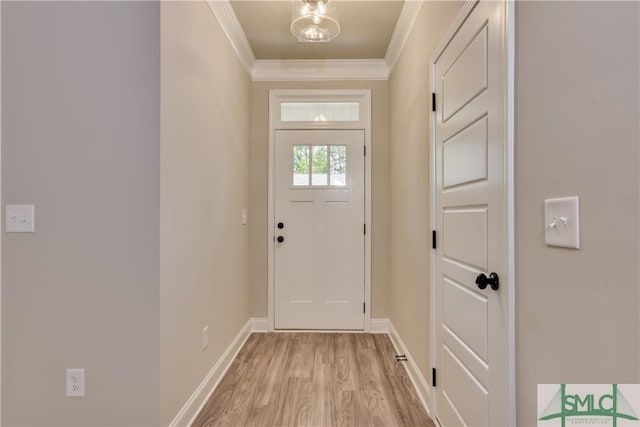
<point x="315" y="70"/>
<point x="318" y="70"/>
<point x="225" y="15"/>
<point x="407" y="18"/>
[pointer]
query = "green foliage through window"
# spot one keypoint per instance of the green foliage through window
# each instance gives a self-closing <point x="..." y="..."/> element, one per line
<point x="319" y="165"/>
<point x="300" y="159"/>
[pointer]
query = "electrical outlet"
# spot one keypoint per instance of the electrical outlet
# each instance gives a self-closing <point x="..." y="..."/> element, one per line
<point x="205" y="338"/>
<point x="75" y="382"/>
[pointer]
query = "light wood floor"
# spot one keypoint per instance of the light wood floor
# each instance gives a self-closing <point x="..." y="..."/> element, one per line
<point x="315" y="379"/>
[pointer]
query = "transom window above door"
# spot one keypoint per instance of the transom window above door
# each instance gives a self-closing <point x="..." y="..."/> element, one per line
<point x="320" y="111"/>
<point x="319" y="166"/>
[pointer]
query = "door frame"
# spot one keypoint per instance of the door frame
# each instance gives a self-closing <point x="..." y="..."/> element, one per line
<point x="508" y="201"/>
<point x="277" y="96"/>
<point x="1" y="216"/>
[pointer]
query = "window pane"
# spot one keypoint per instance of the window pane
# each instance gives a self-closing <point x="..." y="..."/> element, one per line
<point x="300" y="165"/>
<point x="319" y="167"/>
<point x="320" y="111"/>
<point x="338" y="165"/>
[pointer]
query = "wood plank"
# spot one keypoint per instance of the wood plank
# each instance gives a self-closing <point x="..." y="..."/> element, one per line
<point x="269" y="402"/>
<point x="314" y="379"/>
<point x="323" y="411"/>
<point x="406" y="400"/>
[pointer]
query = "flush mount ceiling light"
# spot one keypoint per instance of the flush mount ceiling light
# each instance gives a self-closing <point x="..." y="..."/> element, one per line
<point x="313" y="21"/>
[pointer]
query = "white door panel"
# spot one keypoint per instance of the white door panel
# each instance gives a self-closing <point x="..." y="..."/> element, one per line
<point x="319" y="199"/>
<point x="470" y="144"/>
<point x="466" y="236"/>
<point x="476" y="366"/>
<point x="469" y="397"/>
<point x="467" y="76"/>
<point x="464" y="155"/>
<point x="472" y="334"/>
<point x="300" y="236"/>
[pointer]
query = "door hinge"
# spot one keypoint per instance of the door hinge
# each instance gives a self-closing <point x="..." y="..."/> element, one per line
<point x="433" y="101"/>
<point x="365" y="151"/>
<point x="365" y="229"/>
<point x="433" y="377"/>
<point x="364" y="307"/>
<point x="433" y="239"/>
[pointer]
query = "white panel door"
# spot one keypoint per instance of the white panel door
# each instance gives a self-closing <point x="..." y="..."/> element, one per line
<point x="470" y="143"/>
<point x="319" y="229"/>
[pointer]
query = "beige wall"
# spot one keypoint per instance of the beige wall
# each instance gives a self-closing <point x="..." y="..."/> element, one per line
<point x="577" y="109"/>
<point x="409" y="184"/>
<point x="577" y="104"/>
<point x="139" y="170"/>
<point x="379" y="187"/>
<point x="80" y="140"/>
<point x="204" y="187"/>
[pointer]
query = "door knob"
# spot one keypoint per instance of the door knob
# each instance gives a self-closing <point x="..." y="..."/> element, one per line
<point x="280" y="225"/>
<point x="280" y="239"/>
<point x="493" y="280"/>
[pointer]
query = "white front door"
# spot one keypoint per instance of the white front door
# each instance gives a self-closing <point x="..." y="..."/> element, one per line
<point x="319" y="229"/>
<point x="471" y="220"/>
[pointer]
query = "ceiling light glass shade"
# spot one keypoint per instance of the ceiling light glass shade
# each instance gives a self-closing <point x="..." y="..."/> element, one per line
<point x="314" y="21"/>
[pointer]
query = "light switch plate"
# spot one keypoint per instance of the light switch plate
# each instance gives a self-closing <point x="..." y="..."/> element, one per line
<point x="20" y="219"/>
<point x="562" y="222"/>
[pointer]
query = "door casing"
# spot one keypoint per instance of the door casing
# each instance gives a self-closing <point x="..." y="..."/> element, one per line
<point x="509" y="198"/>
<point x="0" y="215"/>
<point x="363" y="96"/>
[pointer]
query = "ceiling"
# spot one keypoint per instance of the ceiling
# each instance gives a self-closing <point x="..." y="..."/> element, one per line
<point x="366" y="29"/>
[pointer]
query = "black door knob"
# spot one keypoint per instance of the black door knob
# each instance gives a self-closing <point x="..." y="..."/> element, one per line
<point x="280" y="239"/>
<point x="280" y="225"/>
<point x="483" y="281"/>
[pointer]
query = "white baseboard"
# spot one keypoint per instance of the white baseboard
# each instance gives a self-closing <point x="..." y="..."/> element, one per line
<point x="259" y="324"/>
<point x="379" y="326"/>
<point x="420" y="384"/>
<point x="196" y="402"/>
